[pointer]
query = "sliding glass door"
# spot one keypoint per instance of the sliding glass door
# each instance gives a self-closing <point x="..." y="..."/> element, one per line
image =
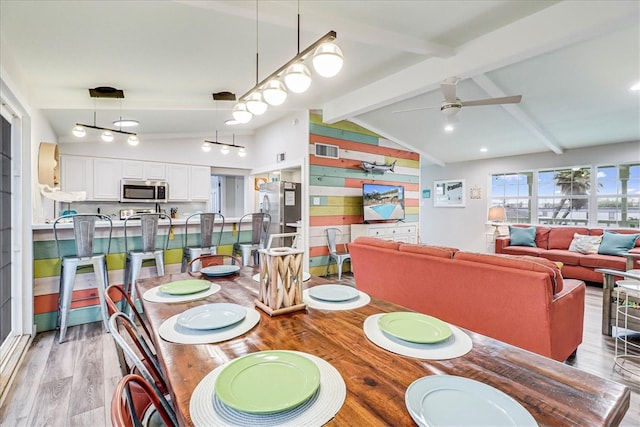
<point x="5" y="231"/>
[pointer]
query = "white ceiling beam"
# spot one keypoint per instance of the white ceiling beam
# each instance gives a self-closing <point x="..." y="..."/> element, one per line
<point x="551" y="28"/>
<point x="372" y="127"/>
<point x="494" y="91"/>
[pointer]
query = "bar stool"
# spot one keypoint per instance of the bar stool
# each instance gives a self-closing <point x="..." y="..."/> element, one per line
<point x="84" y="255"/>
<point x="260" y="223"/>
<point x="149" y="248"/>
<point x="208" y="243"/>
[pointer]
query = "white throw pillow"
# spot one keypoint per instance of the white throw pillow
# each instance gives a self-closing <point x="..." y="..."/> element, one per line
<point x="585" y="244"/>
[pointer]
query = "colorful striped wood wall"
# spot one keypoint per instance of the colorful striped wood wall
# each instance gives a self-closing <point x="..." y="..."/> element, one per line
<point x="335" y="185"/>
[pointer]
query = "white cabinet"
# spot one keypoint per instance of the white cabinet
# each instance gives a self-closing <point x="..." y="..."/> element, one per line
<point x="397" y="231"/>
<point x="132" y="169"/>
<point x="200" y="188"/>
<point x="178" y="181"/>
<point x="76" y="174"/>
<point x="106" y="179"/>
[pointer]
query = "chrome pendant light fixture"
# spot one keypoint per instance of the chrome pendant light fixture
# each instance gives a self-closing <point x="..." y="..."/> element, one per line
<point x="224" y="146"/>
<point x="293" y="76"/>
<point x="80" y="129"/>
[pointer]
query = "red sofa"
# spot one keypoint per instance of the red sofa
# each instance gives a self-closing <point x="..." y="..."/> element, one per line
<point x="553" y="243"/>
<point x="519" y="300"/>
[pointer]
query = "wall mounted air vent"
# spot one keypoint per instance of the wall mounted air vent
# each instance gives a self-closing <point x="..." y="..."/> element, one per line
<point x="326" y="150"/>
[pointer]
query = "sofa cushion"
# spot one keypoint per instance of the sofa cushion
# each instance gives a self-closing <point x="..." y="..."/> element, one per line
<point x="600" y="232"/>
<point x="374" y="241"/>
<point x="522" y="250"/>
<point x="585" y="244"/>
<point x="603" y="261"/>
<point x="563" y="255"/>
<point x="518" y="262"/>
<point x="617" y="243"/>
<point x="439" y="251"/>
<point x="522" y="236"/>
<point x="561" y="237"/>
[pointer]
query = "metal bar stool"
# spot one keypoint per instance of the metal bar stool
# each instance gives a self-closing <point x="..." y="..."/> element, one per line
<point x="83" y="256"/>
<point x="260" y="223"/>
<point x="335" y="254"/>
<point x="208" y="242"/>
<point x="149" y="249"/>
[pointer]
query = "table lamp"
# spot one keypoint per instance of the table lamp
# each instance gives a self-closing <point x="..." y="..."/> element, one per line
<point x="497" y="214"/>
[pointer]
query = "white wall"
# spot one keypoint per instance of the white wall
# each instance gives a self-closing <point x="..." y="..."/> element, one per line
<point x="466" y="228"/>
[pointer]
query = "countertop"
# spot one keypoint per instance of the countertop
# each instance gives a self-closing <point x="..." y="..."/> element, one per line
<point x="117" y="223"/>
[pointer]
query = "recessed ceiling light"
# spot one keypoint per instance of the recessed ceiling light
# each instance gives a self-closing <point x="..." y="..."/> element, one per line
<point x="635" y="86"/>
<point x="448" y="128"/>
<point x="484" y="149"/>
<point x="126" y="123"/>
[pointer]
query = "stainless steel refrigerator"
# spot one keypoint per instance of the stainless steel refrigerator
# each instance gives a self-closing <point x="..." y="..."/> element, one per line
<point x="282" y="201"/>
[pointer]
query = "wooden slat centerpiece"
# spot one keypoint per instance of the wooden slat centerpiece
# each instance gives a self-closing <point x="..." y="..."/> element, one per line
<point x="281" y="277"/>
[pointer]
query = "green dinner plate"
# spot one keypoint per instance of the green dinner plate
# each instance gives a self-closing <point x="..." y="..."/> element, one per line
<point x="185" y="287"/>
<point x="267" y="382"/>
<point x="414" y="327"/>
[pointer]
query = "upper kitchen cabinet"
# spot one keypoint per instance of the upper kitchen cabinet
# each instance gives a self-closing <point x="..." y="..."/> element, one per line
<point x="76" y="174"/>
<point x="188" y="183"/>
<point x="153" y="171"/>
<point x="178" y="180"/>
<point x="106" y="179"/>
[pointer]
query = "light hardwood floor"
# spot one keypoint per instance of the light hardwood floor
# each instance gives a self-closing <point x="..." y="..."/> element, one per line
<point x="71" y="384"/>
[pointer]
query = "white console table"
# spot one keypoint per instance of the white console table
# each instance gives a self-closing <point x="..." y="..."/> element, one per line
<point x="397" y="231"/>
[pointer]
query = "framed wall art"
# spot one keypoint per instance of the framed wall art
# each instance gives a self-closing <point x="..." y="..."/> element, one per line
<point x="449" y="193"/>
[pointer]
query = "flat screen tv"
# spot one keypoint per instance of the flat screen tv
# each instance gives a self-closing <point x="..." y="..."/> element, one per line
<point x="383" y="202"/>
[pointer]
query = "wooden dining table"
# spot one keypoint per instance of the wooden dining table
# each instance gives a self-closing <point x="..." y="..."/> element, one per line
<point x="376" y="379"/>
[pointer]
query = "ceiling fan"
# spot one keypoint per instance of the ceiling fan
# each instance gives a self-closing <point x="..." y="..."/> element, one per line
<point x="452" y="105"/>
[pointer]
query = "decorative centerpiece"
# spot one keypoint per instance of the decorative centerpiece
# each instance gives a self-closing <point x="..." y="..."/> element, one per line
<point x="281" y="276"/>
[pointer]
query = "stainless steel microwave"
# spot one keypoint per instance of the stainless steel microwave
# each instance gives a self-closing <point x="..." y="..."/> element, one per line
<point x="143" y="191"/>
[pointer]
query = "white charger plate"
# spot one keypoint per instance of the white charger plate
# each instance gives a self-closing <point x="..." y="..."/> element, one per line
<point x="170" y="330"/>
<point x="155" y="295"/>
<point x="219" y="270"/>
<point x="458" y="344"/>
<point x="448" y="400"/>
<point x="333" y="293"/>
<point x="212" y="316"/>
<point x="362" y="300"/>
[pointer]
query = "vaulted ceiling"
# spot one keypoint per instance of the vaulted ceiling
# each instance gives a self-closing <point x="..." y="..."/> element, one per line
<point x="573" y="62"/>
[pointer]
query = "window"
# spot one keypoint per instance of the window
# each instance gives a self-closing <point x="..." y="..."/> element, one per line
<point x="563" y="196"/>
<point x="566" y="196"/>
<point x="513" y="191"/>
<point x="618" y="195"/>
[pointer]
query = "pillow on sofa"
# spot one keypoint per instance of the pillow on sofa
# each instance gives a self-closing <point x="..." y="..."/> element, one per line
<point x="617" y="244"/>
<point x="585" y="244"/>
<point x="519" y="236"/>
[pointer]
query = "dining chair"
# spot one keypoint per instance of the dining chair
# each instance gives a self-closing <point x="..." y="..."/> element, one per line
<point x="135" y="403"/>
<point x="142" y="359"/>
<point x="146" y="249"/>
<point x="209" y="239"/>
<point x="116" y="293"/>
<point x="260" y="223"/>
<point x="212" y="259"/>
<point x="81" y="253"/>
<point x="337" y="251"/>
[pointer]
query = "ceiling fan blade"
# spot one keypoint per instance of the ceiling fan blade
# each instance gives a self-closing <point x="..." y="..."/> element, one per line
<point x="448" y="88"/>
<point x="416" y="109"/>
<point x="493" y="101"/>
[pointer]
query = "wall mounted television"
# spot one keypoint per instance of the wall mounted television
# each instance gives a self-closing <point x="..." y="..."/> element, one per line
<point x="383" y="202"/>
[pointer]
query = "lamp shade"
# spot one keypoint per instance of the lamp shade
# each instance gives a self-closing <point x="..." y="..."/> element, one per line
<point x="327" y="60"/>
<point x="255" y="103"/>
<point x="497" y="214"/>
<point x="297" y="78"/>
<point x="79" y="131"/>
<point x="242" y="152"/>
<point x="206" y="147"/>
<point x="274" y="92"/>
<point x="241" y="114"/>
<point x="133" y="140"/>
<point x="107" y="136"/>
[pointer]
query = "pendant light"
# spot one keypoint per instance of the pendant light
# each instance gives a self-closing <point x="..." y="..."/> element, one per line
<point x="107" y="136"/>
<point x="274" y="92"/>
<point x="256" y="104"/>
<point x="79" y="131"/>
<point x="133" y="140"/>
<point x="206" y="147"/>
<point x="327" y="60"/>
<point x="224" y="149"/>
<point x="241" y="113"/>
<point x="298" y="78"/>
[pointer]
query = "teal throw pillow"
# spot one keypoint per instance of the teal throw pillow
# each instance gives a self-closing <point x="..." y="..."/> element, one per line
<point x="617" y="244"/>
<point x="519" y="236"/>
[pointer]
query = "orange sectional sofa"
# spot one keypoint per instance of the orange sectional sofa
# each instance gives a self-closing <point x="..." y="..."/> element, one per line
<point x="523" y="301"/>
<point x="553" y="244"/>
